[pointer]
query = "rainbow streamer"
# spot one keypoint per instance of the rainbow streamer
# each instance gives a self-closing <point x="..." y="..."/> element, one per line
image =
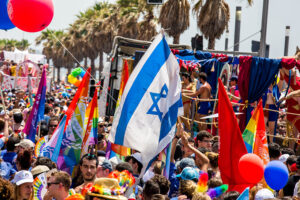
<point x="202" y="183"/>
<point x="39" y="187"/>
<point x="217" y="191"/>
<point x="41" y="143"/>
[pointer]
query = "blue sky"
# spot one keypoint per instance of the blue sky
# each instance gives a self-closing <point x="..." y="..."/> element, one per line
<point x="281" y="13"/>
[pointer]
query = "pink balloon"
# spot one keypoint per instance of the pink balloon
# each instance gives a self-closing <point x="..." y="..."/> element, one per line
<point x="251" y="168"/>
<point x="30" y="15"/>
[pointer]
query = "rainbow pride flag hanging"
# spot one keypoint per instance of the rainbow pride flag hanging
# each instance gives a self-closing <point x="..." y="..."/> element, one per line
<point x="91" y="117"/>
<point x="250" y="131"/>
<point x="118" y="149"/>
<point x="255" y="133"/>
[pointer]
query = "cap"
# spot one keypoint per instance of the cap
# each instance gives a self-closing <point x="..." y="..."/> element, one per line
<point x="138" y="157"/>
<point x="186" y="162"/>
<point x="264" y="194"/>
<point x="39" y="169"/>
<point x="107" y="165"/>
<point x="22" y="177"/>
<point x="284" y="157"/>
<point x="189" y="173"/>
<point x="26" y="144"/>
<point x="101" y="153"/>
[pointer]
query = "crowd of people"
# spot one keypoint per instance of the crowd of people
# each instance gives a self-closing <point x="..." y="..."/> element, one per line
<point x="194" y="152"/>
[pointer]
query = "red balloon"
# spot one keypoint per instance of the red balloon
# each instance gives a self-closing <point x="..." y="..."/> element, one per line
<point x="30" y="15"/>
<point x="251" y="168"/>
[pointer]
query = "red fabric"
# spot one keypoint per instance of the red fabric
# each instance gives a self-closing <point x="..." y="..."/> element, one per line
<point x="222" y="57"/>
<point x="289" y="63"/>
<point x="293" y="107"/>
<point x="232" y="146"/>
<point x="175" y="51"/>
<point x="243" y="85"/>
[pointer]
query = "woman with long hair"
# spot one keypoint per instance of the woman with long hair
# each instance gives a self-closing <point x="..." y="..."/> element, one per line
<point x="23" y="181"/>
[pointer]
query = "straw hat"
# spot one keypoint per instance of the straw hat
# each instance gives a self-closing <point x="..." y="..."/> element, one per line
<point x="107" y="188"/>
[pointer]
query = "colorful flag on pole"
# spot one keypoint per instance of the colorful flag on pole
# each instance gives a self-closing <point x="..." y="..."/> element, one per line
<point x="52" y="148"/>
<point x="92" y="123"/>
<point x="232" y="146"/>
<point x="150" y="104"/>
<point x="261" y="144"/>
<point x="121" y="150"/>
<point x="124" y="79"/>
<point x="37" y="112"/>
<point x="75" y="128"/>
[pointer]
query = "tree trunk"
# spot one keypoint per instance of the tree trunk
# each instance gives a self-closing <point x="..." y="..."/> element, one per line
<point x="85" y="62"/>
<point x="211" y="43"/>
<point x="58" y="74"/>
<point x="176" y="39"/>
<point x="101" y="66"/>
<point x="53" y="73"/>
<point x="93" y="67"/>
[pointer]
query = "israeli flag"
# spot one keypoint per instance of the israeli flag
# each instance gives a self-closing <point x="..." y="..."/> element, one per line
<point x="151" y="102"/>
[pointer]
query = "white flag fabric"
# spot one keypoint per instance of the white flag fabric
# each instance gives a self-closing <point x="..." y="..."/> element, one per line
<point x="150" y="104"/>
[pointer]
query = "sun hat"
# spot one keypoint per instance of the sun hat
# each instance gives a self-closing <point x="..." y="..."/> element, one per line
<point x="189" y="173"/>
<point x="22" y="177"/>
<point x="39" y="169"/>
<point x="25" y="143"/>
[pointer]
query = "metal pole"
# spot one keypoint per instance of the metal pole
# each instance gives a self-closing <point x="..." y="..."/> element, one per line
<point x="237" y="29"/>
<point x="286" y="41"/>
<point x="226" y="40"/>
<point x="263" y="35"/>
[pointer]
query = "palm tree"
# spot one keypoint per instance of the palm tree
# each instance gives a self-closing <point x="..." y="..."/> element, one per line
<point x="213" y="18"/>
<point x="174" y="17"/>
<point x="22" y="45"/>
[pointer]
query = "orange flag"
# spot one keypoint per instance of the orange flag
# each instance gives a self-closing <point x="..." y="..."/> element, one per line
<point x="261" y="144"/>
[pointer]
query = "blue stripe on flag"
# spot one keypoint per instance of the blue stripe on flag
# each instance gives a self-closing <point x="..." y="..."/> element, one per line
<point x="169" y="119"/>
<point x="140" y="85"/>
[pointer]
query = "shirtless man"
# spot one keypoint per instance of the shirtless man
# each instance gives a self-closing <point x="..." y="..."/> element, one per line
<point x="204" y="92"/>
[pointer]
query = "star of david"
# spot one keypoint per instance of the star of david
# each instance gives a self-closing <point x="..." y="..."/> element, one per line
<point x="154" y="109"/>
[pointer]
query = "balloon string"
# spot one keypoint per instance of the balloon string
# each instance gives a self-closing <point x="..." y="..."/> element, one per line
<point x="83" y="67"/>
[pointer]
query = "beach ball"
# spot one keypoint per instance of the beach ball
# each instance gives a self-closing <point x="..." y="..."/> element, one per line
<point x="5" y="22"/>
<point x="276" y="174"/>
<point x="251" y="168"/>
<point x="30" y="15"/>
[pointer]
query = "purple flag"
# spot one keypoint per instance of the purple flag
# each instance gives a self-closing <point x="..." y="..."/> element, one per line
<point x="37" y="112"/>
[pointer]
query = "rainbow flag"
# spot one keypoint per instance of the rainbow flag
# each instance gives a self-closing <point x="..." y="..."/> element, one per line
<point x="37" y="112"/>
<point x="250" y="131"/>
<point x="124" y="79"/>
<point x="91" y="117"/>
<point x="75" y="127"/>
<point x="261" y="144"/>
<point x="121" y="150"/>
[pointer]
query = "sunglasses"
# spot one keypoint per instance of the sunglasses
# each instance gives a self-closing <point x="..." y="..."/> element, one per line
<point x="53" y="126"/>
<point x="49" y="184"/>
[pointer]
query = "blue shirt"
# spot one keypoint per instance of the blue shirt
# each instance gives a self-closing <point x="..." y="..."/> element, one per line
<point x="10" y="157"/>
<point x="6" y="170"/>
<point x="174" y="187"/>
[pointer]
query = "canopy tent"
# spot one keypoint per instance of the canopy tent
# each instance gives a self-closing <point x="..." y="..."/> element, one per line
<point x="20" y="56"/>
